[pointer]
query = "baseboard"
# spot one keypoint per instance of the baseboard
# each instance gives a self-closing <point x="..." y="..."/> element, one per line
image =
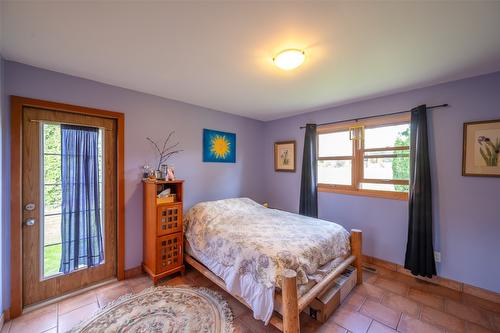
<point x="5" y="317"/>
<point x="133" y="272"/>
<point x="444" y="282"/>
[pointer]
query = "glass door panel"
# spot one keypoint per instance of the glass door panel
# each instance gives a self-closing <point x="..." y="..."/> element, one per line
<point x="52" y="196"/>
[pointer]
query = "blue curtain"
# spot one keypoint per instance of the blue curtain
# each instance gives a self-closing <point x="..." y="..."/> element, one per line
<point x="308" y="202"/>
<point x="81" y="232"/>
<point x="419" y="257"/>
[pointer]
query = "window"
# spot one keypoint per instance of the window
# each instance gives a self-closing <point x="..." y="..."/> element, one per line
<point x="52" y="197"/>
<point x="368" y="157"/>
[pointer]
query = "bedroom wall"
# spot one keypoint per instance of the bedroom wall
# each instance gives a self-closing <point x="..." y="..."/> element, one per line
<point x="2" y="193"/>
<point x="146" y="115"/>
<point x="466" y="214"/>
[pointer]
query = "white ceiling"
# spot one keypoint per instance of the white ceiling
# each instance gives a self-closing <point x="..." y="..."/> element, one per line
<point x="218" y="55"/>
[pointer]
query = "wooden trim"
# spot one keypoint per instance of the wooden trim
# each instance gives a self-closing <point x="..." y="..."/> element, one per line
<point x="358" y="155"/>
<point x="366" y="193"/>
<point x="335" y="158"/>
<point x="16" y="269"/>
<point x="120" y="183"/>
<point x="292" y="142"/>
<point x="17" y="104"/>
<point x="385" y="149"/>
<point x="376" y="121"/>
<point x="438" y="280"/>
<point x="133" y="272"/>
<point x="385" y="181"/>
<point x="386" y="156"/>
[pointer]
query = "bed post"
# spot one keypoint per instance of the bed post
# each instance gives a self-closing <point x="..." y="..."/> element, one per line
<point x="291" y="322"/>
<point x="356" y="248"/>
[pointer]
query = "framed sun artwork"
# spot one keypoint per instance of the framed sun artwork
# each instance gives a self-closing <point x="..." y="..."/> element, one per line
<point x="284" y="156"/>
<point x="219" y="146"/>
<point x="481" y="151"/>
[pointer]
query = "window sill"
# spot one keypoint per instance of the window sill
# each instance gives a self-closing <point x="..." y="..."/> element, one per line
<point x="403" y="196"/>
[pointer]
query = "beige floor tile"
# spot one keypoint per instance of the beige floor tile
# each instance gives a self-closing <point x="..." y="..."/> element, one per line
<point x="36" y="321"/>
<point x="442" y="319"/>
<point x="469" y="313"/>
<point x="256" y="326"/>
<point x="371" y="290"/>
<point x="409" y="324"/>
<point x="482" y="303"/>
<point x="443" y="291"/>
<point x="52" y="330"/>
<point x="354" y="301"/>
<point x="351" y="320"/>
<point x="475" y="328"/>
<point x="369" y="277"/>
<point x="112" y="293"/>
<point x="377" y="327"/>
<point x="434" y="301"/>
<point x="403" y="304"/>
<point x="240" y="327"/>
<point x="75" y="302"/>
<point x="68" y="320"/>
<point x="331" y="327"/>
<point x="392" y="285"/>
<point x="381" y="313"/>
<point x="236" y="307"/>
<point x="495" y="321"/>
<point x="6" y="327"/>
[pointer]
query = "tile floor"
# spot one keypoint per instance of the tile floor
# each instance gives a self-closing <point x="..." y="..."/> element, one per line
<point x="386" y="302"/>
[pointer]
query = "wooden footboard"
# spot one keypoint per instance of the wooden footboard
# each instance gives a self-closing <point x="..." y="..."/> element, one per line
<point x="292" y="304"/>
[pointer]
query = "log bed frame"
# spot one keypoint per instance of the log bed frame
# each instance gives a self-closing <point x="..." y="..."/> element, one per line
<point x="292" y="305"/>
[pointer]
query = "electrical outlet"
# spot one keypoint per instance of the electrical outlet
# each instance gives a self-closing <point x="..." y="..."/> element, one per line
<point x="437" y="256"/>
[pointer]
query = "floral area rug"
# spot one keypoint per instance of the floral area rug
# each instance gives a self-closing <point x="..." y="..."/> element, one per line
<point x="162" y="310"/>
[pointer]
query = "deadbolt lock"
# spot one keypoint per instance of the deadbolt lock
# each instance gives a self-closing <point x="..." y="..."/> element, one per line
<point x="29" y="206"/>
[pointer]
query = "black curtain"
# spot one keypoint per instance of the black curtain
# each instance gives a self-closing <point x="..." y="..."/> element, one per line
<point x="308" y="183"/>
<point x="419" y="250"/>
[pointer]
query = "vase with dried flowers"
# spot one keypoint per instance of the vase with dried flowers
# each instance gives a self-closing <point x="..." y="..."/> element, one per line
<point x="167" y="150"/>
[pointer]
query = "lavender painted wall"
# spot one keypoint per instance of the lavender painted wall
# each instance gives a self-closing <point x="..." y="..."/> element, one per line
<point x="466" y="214"/>
<point x="146" y="115"/>
<point x="2" y="193"/>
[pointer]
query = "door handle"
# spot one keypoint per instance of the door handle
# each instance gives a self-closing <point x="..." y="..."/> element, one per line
<point x="29" y="222"/>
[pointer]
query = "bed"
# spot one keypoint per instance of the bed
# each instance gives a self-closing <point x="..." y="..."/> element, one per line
<point x="271" y="260"/>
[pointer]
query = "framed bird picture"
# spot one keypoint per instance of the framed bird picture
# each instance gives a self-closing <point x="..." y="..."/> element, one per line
<point x="284" y="156"/>
<point x="481" y="151"/>
<point x="219" y="146"/>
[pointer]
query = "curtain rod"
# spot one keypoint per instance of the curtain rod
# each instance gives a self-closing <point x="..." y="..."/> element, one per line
<point x="381" y="115"/>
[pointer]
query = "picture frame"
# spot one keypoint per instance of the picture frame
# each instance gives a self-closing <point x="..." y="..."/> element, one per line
<point x="218" y="146"/>
<point x="284" y="156"/>
<point x="481" y="148"/>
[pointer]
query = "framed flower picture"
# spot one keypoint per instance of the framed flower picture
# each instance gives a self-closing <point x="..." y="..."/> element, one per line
<point x="284" y="156"/>
<point x="481" y="151"/>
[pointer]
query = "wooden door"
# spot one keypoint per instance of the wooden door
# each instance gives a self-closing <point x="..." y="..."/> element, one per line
<point x="41" y="201"/>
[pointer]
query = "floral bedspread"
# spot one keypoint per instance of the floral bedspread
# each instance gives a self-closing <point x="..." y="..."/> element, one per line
<point x="263" y="242"/>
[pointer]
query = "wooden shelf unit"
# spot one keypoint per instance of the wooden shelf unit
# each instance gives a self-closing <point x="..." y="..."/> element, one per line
<point x="163" y="232"/>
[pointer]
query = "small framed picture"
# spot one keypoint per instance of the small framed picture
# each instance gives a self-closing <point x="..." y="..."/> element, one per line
<point x="481" y="151"/>
<point x="284" y="156"/>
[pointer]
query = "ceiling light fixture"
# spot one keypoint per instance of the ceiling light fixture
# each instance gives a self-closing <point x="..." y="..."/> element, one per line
<point x="289" y="59"/>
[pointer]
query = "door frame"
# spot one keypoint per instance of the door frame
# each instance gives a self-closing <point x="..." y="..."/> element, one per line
<point x="17" y="104"/>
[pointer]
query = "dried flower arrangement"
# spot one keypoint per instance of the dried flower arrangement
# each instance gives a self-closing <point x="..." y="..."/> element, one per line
<point x="166" y="151"/>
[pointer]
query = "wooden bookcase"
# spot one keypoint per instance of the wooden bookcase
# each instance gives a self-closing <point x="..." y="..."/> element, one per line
<point x="163" y="232"/>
